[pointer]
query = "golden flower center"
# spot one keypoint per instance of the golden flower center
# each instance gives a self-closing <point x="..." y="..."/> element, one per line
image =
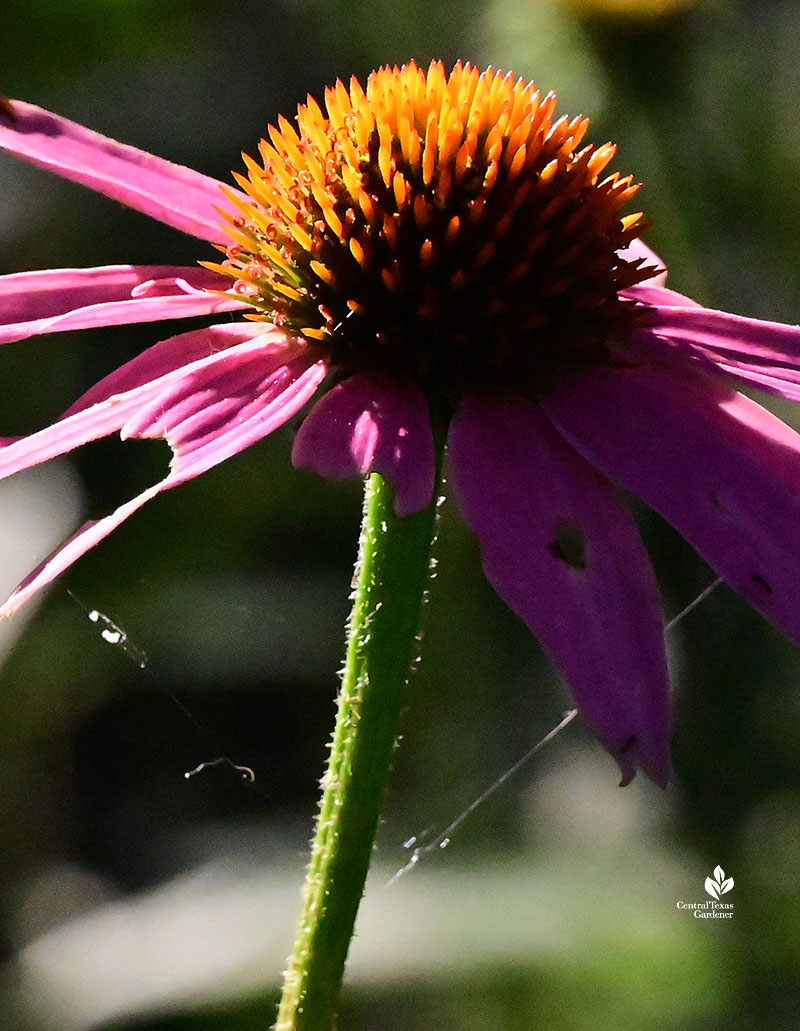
<point x="445" y="227"/>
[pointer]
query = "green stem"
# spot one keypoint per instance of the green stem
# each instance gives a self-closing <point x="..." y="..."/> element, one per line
<point x="391" y="576"/>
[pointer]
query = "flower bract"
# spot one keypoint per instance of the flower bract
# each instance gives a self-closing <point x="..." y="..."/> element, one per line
<point x="443" y="251"/>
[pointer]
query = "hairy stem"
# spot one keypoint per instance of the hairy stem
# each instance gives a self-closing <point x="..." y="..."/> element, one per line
<point x="391" y="576"/>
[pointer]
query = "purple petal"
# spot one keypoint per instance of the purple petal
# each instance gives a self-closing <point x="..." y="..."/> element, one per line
<point x="782" y="382"/>
<point x="208" y="388"/>
<point x="171" y="193"/>
<point x="721" y="469"/>
<point x="55" y="300"/>
<point x="561" y="548"/>
<point x="207" y="411"/>
<point x="370" y="423"/>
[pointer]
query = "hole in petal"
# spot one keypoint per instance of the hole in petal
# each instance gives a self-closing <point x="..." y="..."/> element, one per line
<point x="759" y="581"/>
<point x="570" y="546"/>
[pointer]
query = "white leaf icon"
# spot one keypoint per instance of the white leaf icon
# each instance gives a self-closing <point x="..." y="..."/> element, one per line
<point x="719" y="884"/>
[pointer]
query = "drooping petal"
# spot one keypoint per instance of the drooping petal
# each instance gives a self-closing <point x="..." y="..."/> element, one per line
<point x="773" y="380"/>
<point x="171" y="193"/>
<point x="208" y="411"/>
<point x="721" y="469"/>
<point x="55" y="300"/>
<point x="561" y="548"/>
<point x="370" y="423"/>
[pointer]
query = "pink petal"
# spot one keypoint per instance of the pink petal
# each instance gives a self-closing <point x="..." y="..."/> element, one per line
<point x="107" y="407"/>
<point x="61" y="299"/>
<point x="207" y="412"/>
<point x="725" y="334"/>
<point x="562" y="549"/>
<point x="721" y="469"/>
<point x="224" y="404"/>
<point x="637" y="250"/>
<point x="71" y="550"/>
<point x="370" y="423"/>
<point x="766" y="354"/>
<point x="781" y="380"/>
<point x="652" y="294"/>
<point x="171" y="193"/>
<point x="175" y="353"/>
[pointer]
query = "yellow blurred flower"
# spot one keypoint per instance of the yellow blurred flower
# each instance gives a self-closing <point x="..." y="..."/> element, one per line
<point x="627" y="8"/>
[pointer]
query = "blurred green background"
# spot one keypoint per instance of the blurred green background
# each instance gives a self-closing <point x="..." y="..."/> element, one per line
<point x="131" y="897"/>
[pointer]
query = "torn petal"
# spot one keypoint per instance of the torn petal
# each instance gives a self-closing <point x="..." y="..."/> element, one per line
<point x="370" y="423"/>
<point x="783" y="380"/>
<point x="561" y="548"/>
<point x="766" y="354"/>
<point x="228" y="402"/>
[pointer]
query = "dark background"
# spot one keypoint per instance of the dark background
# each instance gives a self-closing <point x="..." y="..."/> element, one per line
<point x="131" y="897"/>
